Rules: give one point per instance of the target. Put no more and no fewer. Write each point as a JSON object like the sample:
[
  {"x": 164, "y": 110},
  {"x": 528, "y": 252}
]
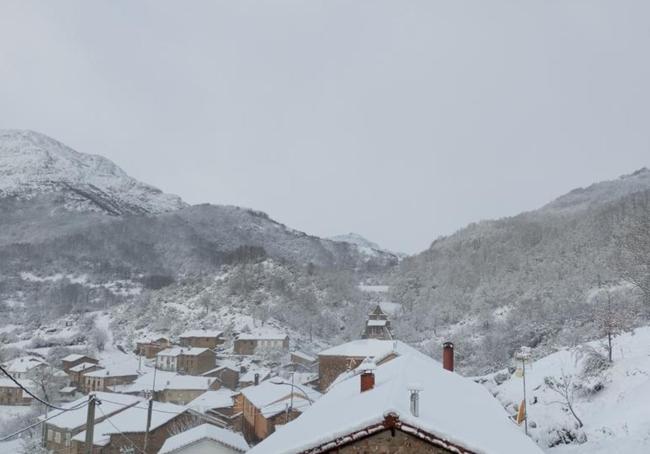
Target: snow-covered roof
[
  {"x": 24, "y": 364},
  {"x": 452, "y": 409},
  {"x": 68, "y": 389},
  {"x": 304, "y": 356},
  {"x": 277, "y": 390},
  {"x": 121, "y": 370},
  {"x": 249, "y": 377},
  {"x": 132, "y": 420},
  {"x": 263, "y": 334},
  {"x": 362, "y": 348},
  {"x": 377, "y": 322},
  {"x": 204, "y": 432},
  {"x": 212, "y": 399},
  {"x": 166, "y": 380},
  {"x": 83, "y": 366},
  {"x": 177, "y": 351},
  {"x": 73, "y": 419},
  {"x": 201, "y": 333},
  {"x": 73, "y": 357}
]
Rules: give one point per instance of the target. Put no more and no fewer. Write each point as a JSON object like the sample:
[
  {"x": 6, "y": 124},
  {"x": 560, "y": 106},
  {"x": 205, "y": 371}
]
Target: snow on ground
[{"x": 616, "y": 419}]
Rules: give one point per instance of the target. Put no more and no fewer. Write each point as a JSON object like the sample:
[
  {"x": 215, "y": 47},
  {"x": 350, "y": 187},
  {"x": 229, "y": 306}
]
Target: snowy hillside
[
  {"x": 364, "y": 245},
  {"x": 612, "y": 402},
  {"x": 601, "y": 193},
  {"x": 32, "y": 163}
]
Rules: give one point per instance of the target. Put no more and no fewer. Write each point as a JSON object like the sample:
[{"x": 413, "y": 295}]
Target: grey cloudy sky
[{"x": 401, "y": 120}]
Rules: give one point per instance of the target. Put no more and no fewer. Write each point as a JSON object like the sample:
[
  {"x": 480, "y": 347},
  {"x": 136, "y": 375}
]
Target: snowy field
[{"x": 616, "y": 419}]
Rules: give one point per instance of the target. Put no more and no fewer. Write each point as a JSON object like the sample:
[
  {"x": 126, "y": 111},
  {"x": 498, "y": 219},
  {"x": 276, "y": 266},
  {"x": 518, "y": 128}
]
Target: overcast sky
[{"x": 401, "y": 120}]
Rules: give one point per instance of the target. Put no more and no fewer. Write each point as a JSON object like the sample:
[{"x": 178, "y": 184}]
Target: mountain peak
[
  {"x": 32, "y": 163},
  {"x": 602, "y": 192}
]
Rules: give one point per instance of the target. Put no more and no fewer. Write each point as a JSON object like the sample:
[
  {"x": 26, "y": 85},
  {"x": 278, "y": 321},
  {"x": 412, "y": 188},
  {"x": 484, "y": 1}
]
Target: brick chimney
[
  {"x": 367, "y": 380},
  {"x": 448, "y": 356}
]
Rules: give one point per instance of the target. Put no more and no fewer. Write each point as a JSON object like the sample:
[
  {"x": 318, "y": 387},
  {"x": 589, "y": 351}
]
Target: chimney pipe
[
  {"x": 257, "y": 379},
  {"x": 448, "y": 356},
  {"x": 367, "y": 380}
]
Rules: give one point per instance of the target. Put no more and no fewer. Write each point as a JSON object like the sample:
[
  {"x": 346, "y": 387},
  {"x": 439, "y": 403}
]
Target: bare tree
[
  {"x": 564, "y": 388},
  {"x": 47, "y": 381},
  {"x": 635, "y": 253},
  {"x": 611, "y": 317},
  {"x": 98, "y": 338}
]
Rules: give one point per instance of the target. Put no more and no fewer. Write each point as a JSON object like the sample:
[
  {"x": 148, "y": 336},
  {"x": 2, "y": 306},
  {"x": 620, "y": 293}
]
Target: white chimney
[{"x": 415, "y": 389}]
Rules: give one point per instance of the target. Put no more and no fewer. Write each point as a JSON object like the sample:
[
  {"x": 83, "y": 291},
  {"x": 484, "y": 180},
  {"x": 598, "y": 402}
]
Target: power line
[
  {"x": 7, "y": 437},
  {"x": 106, "y": 418},
  {"x": 44, "y": 402}
]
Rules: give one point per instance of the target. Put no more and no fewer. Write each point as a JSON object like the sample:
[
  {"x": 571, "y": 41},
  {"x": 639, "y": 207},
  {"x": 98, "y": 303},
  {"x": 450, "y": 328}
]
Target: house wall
[
  {"x": 13, "y": 396},
  {"x": 385, "y": 443},
  {"x": 330, "y": 367},
  {"x": 201, "y": 342},
  {"x": 197, "y": 364},
  {"x": 244, "y": 347},
  {"x": 67, "y": 365},
  {"x": 59, "y": 440}
]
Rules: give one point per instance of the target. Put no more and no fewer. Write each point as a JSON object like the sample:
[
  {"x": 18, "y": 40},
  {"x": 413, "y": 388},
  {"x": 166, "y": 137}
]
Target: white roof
[
  {"x": 212, "y": 399},
  {"x": 201, "y": 333},
  {"x": 23, "y": 364},
  {"x": 363, "y": 348},
  {"x": 73, "y": 357},
  {"x": 74, "y": 419},
  {"x": 68, "y": 389},
  {"x": 166, "y": 380},
  {"x": 205, "y": 432},
  {"x": 304, "y": 356},
  {"x": 177, "y": 351},
  {"x": 377, "y": 322},
  {"x": 249, "y": 377},
  {"x": 83, "y": 366},
  {"x": 122, "y": 370},
  {"x": 276, "y": 390},
  {"x": 452, "y": 408},
  {"x": 132, "y": 420}
]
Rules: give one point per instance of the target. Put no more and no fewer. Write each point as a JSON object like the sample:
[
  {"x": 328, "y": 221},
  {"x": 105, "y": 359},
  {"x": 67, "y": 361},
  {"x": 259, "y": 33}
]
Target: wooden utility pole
[
  {"x": 90, "y": 424},
  {"x": 146, "y": 434}
]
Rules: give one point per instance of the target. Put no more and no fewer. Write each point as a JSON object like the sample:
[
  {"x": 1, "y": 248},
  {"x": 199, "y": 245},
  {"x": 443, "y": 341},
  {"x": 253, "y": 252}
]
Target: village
[{"x": 203, "y": 392}]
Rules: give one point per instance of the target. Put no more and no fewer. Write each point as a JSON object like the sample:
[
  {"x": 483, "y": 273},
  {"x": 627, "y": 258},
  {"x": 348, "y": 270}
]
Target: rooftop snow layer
[
  {"x": 220, "y": 398},
  {"x": 132, "y": 420},
  {"x": 201, "y": 333},
  {"x": 74, "y": 419},
  {"x": 204, "y": 432},
  {"x": 452, "y": 408},
  {"x": 363, "y": 348}
]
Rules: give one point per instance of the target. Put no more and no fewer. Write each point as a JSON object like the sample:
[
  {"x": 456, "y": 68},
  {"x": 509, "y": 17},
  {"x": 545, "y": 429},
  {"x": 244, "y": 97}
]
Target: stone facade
[
  {"x": 196, "y": 364},
  {"x": 67, "y": 364},
  {"x": 390, "y": 442},
  {"x": 330, "y": 367},
  {"x": 248, "y": 346},
  {"x": 149, "y": 349},
  {"x": 13, "y": 395},
  {"x": 227, "y": 376},
  {"x": 210, "y": 342}
]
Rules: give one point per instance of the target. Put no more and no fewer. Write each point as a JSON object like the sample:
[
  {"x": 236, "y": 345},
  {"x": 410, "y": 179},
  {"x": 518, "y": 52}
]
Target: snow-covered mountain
[
  {"x": 364, "y": 245},
  {"x": 32, "y": 163},
  {"x": 524, "y": 280}
]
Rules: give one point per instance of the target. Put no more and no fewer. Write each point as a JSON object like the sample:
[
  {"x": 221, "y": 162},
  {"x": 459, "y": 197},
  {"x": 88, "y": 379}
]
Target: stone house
[
  {"x": 12, "y": 394},
  {"x": 270, "y": 339},
  {"x": 202, "y": 339},
  {"x": 226, "y": 374},
  {"x": 205, "y": 439},
  {"x": 303, "y": 360},
  {"x": 336, "y": 360},
  {"x": 125, "y": 432},
  {"x": 270, "y": 404},
  {"x": 106, "y": 379},
  {"x": 76, "y": 373},
  {"x": 150, "y": 347},
  {"x": 23, "y": 366},
  {"x": 74, "y": 359},
  {"x": 190, "y": 361},
  {"x": 407, "y": 405},
  {"x": 58, "y": 431},
  {"x": 171, "y": 387},
  {"x": 220, "y": 406}
]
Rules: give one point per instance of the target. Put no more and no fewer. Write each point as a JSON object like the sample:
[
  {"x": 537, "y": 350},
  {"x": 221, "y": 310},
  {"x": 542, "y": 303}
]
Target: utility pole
[
  {"x": 90, "y": 424},
  {"x": 146, "y": 434},
  {"x": 524, "y": 355}
]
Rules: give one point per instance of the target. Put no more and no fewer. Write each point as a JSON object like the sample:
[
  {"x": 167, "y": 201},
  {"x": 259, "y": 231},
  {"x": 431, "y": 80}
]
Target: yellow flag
[{"x": 521, "y": 414}]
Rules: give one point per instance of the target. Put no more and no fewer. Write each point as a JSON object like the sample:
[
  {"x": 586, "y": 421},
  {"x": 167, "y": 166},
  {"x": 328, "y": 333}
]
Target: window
[
  {"x": 67, "y": 439},
  {"x": 57, "y": 437},
  {"x": 50, "y": 434}
]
